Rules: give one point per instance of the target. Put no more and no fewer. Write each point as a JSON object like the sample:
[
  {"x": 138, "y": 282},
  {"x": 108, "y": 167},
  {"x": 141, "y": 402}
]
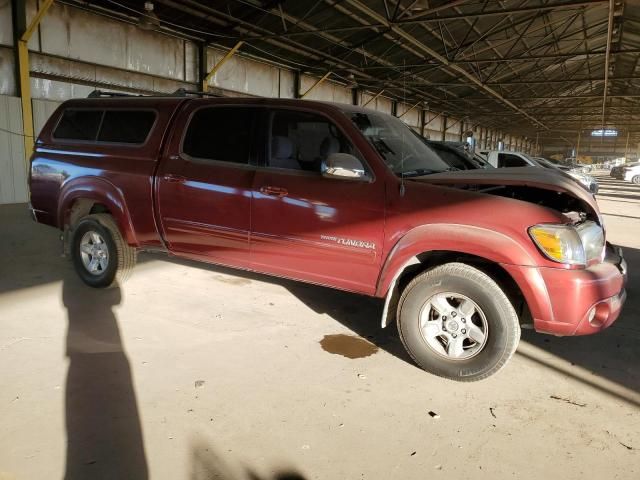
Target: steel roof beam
[
  {"x": 552, "y": 56},
  {"x": 504, "y": 11}
]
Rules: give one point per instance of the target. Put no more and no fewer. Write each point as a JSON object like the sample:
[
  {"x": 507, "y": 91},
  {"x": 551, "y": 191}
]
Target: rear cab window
[
  {"x": 510, "y": 160},
  {"x": 130, "y": 127},
  {"x": 222, "y": 134}
]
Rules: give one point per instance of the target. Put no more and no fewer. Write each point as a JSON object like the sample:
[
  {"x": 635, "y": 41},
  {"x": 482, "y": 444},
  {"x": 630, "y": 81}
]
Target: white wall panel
[
  {"x": 13, "y": 168},
  {"x": 6, "y": 25},
  {"x": 432, "y": 134},
  {"x": 73, "y": 33},
  {"x": 42, "y": 110},
  {"x": 327, "y": 91},
  {"x": 43, "y": 88},
  {"x": 452, "y": 137},
  {"x": 383, "y": 104},
  {"x": 412, "y": 117},
  {"x": 7, "y": 72},
  {"x": 191, "y": 61},
  {"x": 243, "y": 75},
  {"x": 433, "y": 121}
]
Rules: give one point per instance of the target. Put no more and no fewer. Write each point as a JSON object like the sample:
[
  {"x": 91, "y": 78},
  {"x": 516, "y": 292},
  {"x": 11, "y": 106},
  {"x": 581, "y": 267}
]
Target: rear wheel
[
  {"x": 456, "y": 322},
  {"x": 100, "y": 255},
  {"x": 636, "y": 179}
]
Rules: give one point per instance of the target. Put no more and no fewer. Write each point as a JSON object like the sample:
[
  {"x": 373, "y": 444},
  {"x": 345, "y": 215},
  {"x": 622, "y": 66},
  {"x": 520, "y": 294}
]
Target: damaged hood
[{"x": 534, "y": 177}]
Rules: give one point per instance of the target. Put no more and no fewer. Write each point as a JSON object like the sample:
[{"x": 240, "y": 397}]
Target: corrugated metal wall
[{"x": 13, "y": 169}]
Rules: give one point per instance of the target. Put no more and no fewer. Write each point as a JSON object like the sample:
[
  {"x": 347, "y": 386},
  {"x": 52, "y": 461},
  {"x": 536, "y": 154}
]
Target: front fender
[
  {"x": 466, "y": 239},
  {"x": 101, "y": 191},
  {"x": 471, "y": 240}
]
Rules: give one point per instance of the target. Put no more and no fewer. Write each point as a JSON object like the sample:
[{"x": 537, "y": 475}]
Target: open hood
[{"x": 532, "y": 177}]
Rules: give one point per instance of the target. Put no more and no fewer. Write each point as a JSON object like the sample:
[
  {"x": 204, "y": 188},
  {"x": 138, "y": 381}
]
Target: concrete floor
[{"x": 195, "y": 372}]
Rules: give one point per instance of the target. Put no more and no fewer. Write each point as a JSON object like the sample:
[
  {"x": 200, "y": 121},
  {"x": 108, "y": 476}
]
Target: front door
[
  {"x": 204, "y": 184},
  {"x": 309, "y": 227}
]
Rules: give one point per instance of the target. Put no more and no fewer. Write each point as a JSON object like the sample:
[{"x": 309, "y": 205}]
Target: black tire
[
  {"x": 636, "y": 179},
  {"x": 121, "y": 257},
  {"x": 502, "y": 325}
]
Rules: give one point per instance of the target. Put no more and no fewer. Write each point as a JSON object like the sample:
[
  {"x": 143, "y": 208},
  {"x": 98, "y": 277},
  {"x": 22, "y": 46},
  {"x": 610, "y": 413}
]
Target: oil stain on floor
[{"x": 348, "y": 346}]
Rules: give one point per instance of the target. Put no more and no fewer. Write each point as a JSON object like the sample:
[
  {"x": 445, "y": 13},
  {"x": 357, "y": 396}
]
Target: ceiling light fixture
[{"x": 149, "y": 20}]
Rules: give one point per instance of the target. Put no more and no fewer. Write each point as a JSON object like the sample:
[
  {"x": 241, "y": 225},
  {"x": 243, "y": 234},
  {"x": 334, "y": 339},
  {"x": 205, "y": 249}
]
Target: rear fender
[
  {"x": 100, "y": 191},
  {"x": 480, "y": 242}
]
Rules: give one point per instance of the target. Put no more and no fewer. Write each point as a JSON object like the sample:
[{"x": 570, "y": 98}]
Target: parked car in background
[
  {"x": 617, "y": 171},
  {"x": 334, "y": 195},
  {"x": 589, "y": 182},
  {"x": 455, "y": 155},
  {"x": 503, "y": 159},
  {"x": 629, "y": 172}
]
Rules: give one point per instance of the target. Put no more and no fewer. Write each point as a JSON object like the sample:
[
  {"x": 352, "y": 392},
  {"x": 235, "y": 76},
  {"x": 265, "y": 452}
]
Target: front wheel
[
  {"x": 100, "y": 255},
  {"x": 636, "y": 179},
  {"x": 457, "y": 323}
]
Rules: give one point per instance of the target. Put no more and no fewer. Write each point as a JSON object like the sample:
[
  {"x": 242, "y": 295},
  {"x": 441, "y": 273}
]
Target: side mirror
[{"x": 343, "y": 165}]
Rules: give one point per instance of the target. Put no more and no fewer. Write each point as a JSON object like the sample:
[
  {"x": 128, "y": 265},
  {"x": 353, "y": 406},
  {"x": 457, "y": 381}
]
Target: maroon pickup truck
[{"x": 333, "y": 195}]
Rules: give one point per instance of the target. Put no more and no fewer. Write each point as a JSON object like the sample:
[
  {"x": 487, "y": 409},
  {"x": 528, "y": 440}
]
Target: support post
[
  {"x": 202, "y": 70},
  {"x": 321, "y": 80},
  {"x": 444, "y": 128},
  {"x": 355, "y": 94},
  {"x": 423, "y": 122},
  {"x": 296, "y": 83},
  {"x": 626, "y": 147},
  {"x": 23, "y": 33},
  {"x": 216, "y": 67}
]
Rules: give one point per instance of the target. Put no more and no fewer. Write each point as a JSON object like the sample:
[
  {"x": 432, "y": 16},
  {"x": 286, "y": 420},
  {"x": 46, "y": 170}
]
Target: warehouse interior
[{"x": 215, "y": 373}]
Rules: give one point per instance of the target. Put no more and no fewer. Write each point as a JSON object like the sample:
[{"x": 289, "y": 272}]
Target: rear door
[
  {"x": 304, "y": 225},
  {"x": 204, "y": 183}
]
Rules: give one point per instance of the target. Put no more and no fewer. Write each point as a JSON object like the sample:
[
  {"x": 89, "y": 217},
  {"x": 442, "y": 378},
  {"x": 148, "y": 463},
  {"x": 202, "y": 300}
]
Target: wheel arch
[
  {"x": 421, "y": 249},
  {"x": 94, "y": 195}
]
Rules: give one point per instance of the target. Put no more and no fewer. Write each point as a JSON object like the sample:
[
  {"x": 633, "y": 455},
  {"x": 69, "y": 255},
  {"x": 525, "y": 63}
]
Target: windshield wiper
[{"x": 424, "y": 171}]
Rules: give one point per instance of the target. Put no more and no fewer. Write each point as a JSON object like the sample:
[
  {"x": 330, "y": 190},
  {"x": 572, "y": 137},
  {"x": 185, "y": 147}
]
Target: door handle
[
  {"x": 274, "y": 191},
  {"x": 171, "y": 178}
]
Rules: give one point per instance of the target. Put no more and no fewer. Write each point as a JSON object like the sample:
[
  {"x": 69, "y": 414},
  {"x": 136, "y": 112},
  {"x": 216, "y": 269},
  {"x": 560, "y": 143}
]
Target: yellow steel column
[{"x": 24, "y": 80}]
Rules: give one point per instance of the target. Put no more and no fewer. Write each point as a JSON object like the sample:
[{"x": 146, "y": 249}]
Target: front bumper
[{"x": 576, "y": 302}]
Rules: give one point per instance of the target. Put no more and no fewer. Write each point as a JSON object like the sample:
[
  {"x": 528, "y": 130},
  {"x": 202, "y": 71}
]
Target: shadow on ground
[{"x": 104, "y": 436}]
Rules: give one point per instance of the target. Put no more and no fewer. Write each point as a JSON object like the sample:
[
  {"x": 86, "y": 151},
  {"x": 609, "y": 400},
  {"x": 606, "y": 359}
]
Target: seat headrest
[
  {"x": 281, "y": 147},
  {"x": 329, "y": 146}
]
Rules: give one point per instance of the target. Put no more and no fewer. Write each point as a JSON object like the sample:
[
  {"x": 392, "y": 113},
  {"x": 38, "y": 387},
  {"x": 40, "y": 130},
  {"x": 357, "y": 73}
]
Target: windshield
[{"x": 401, "y": 149}]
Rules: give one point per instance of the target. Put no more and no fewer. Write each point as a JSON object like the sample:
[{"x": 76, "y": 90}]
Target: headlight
[
  {"x": 568, "y": 244},
  {"x": 560, "y": 243},
  {"x": 592, "y": 237}
]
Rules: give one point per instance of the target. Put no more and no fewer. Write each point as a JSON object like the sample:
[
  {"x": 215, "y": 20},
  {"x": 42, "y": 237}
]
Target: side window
[
  {"x": 508, "y": 160},
  {"x": 220, "y": 133},
  {"x": 78, "y": 125},
  {"x": 301, "y": 141},
  {"x": 126, "y": 126}
]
